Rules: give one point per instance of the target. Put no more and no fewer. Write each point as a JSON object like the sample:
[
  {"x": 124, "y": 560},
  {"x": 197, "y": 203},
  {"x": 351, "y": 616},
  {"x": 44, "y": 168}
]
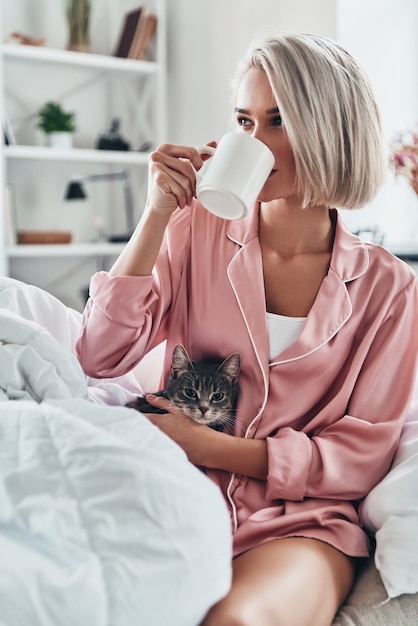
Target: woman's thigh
[{"x": 285, "y": 582}]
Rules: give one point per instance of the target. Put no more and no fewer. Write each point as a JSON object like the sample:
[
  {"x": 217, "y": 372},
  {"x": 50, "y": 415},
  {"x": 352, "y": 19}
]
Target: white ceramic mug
[{"x": 230, "y": 181}]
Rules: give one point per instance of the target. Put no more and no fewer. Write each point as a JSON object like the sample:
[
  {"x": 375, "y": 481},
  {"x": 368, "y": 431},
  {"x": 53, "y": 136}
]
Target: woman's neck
[{"x": 291, "y": 230}]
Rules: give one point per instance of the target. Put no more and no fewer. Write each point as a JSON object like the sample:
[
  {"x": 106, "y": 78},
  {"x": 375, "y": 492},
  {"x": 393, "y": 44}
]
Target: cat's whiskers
[{"x": 237, "y": 427}]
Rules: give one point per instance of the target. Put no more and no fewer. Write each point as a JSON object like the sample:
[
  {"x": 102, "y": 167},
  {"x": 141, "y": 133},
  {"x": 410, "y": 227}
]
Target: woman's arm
[
  {"x": 124, "y": 316},
  {"x": 171, "y": 184},
  {"x": 210, "y": 448}
]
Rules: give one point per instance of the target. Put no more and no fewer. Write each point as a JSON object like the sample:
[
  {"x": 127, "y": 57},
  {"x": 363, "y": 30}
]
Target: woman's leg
[{"x": 285, "y": 582}]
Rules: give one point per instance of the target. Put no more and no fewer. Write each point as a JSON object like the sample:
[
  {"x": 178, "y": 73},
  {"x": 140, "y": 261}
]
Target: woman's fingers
[
  {"x": 172, "y": 177},
  {"x": 159, "y": 402}
]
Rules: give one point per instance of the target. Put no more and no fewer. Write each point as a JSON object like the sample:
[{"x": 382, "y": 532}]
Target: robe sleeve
[
  {"x": 126, "y": 316},
  {"x": 347, "y": 458}
]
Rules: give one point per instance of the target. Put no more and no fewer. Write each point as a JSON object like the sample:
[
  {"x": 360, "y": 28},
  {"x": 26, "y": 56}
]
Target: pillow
[{"x": 391, "y": 511}]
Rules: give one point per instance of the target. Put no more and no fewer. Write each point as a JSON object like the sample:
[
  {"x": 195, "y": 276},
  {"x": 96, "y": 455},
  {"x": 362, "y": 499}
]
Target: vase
[
  {"x": 60, "y": 139},
  {"x": 78, "y": 19},
  {"x": 79, "y": 47}
]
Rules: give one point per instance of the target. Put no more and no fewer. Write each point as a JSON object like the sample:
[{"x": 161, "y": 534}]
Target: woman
[{"x": 325, "y": 324}]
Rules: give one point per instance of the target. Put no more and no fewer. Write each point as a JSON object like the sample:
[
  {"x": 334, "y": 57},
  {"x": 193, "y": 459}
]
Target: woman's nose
[
  {"x": 258, "y": 131},
  {"x": 261, "y": 136}
]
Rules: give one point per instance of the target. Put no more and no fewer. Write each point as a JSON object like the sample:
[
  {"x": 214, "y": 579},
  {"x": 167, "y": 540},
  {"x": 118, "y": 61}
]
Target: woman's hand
[
  {"x": 192, "y": 437},
  {"x": 172, "y": 179},
  {"x": 209, "y": 448},
  {"x": 171, "y": 184}
]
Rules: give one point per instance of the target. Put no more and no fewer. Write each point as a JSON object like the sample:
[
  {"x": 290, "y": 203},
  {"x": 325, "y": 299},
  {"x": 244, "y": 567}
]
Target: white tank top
[{"x": 283, "y": 331}]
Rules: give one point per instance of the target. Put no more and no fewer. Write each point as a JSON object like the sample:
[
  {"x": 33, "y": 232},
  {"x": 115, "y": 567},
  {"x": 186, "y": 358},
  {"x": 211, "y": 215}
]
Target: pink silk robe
[{"x": 331, "y": 406}]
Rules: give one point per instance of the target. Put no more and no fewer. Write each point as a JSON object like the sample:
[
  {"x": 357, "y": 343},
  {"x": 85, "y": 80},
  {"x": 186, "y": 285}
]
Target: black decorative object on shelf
[{"x": 112, "y": 140}]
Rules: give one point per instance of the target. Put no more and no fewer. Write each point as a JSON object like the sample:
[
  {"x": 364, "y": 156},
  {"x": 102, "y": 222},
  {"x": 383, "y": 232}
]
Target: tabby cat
[{"x": 205, "y": 391}]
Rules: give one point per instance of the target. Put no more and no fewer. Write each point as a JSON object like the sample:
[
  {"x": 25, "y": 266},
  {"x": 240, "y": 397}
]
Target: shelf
[
  {"x": 76, "y": 154},
  {"x": 100, "y": 87},
  {"x": 77, "y": 59},
  {"x": 65, "y": 250}
]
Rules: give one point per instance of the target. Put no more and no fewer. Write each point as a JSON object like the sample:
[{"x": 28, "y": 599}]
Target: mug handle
[{"x": 204, "y": 150}]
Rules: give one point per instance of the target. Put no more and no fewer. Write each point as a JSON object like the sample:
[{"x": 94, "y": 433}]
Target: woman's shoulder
[
  {"x": 354, "y": 257},
  {"x": 389, "y": 265}
]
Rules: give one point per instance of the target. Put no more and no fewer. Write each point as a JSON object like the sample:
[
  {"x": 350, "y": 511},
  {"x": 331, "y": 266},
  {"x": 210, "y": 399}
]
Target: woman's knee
[
  {"x": 238, "y": 611},
  {"x": 288, "y": 581}
]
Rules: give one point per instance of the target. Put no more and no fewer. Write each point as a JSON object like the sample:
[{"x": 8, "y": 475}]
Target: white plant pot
[{"x": 63, "y": 140}]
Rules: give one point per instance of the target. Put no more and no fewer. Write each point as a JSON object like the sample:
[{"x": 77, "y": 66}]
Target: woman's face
[{"x": 256, "y": 113}]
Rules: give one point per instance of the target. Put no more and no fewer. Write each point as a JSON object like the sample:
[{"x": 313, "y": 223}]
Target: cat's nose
[{"x": 203, "y": 409}]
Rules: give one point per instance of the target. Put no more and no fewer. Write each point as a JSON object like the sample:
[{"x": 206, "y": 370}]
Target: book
[
  {"x": 43, "y": 236},
  {"x": 138, "y": 32},
  {"x": 146, "y": 29},
  {"x": 127, "y": 33}
]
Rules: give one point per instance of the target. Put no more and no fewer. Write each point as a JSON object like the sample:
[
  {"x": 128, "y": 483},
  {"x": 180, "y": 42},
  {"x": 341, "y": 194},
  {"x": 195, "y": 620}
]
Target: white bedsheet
[
  {"x": 103, "y": 521},
  {"x": 63, "y": 324}
]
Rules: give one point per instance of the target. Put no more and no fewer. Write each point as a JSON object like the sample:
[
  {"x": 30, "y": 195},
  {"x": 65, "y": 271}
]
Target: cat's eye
[
  {"x": 190, "y": 393},
  {"x": 217, "y": 397}
]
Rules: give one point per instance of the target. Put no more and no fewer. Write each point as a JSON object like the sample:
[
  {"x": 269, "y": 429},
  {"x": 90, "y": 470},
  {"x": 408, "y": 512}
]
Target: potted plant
[{"x": 58, "y": 124}]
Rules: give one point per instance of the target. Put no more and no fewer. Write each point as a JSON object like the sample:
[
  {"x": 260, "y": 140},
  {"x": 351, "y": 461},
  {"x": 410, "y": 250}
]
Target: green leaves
[{"x": 53, "y": 118}]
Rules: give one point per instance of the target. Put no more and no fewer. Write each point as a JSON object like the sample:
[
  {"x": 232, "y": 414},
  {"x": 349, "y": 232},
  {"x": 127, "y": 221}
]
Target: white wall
[
  {"x": 384, "y": 36},
  {"x": 3, "y": 264},
  {"x": 206, "y": 39}
]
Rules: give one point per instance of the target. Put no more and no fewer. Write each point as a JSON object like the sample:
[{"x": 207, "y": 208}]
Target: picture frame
[
  {"x": 8, "y": 134},
  {"x": 9, "y": 210}
]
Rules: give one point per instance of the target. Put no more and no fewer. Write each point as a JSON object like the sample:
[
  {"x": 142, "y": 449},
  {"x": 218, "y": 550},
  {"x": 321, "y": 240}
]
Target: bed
[{"x": 104, "y": 521}]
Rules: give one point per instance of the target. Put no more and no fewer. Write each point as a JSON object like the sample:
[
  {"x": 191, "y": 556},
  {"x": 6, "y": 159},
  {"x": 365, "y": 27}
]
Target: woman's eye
[
  {"x": 243, "y": 121},
  {"x": 217, "y": 397},
  {"x": 277, "y": 121},
  {"x": 190, "y": 393}
]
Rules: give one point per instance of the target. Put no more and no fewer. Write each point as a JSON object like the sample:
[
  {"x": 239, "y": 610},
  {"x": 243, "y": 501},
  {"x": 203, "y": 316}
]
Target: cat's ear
[
  {"x": 231, "y": 366},
  {"x": 180, "y": 361}
]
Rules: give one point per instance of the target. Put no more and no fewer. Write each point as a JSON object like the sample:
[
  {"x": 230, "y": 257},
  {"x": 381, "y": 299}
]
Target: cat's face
[{"x": 205, "y": 392}]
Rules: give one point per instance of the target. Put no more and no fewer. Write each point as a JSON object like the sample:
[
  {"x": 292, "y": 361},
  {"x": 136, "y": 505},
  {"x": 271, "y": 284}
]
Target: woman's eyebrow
[{"x": 272, "y": 111}]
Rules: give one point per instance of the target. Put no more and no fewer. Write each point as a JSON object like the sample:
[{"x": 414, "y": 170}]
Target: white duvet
[{"x": 103, "y": 521}]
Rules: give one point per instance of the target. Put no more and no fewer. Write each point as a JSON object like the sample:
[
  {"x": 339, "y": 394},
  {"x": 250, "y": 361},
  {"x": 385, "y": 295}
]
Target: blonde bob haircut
[{"x": 330, "y": 115}]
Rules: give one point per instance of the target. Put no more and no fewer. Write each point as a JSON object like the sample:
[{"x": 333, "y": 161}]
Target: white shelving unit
[
  {"x": 64, "y": 250},
  {"x": 75, "y": 154},
  {"x": 30, "y": 167}
]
